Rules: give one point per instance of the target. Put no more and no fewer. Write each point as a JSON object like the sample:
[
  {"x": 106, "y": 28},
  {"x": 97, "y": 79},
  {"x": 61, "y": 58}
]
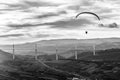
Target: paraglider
[
  {"x": 86, "y": 32},
  {"x": 88, "y": 13}
]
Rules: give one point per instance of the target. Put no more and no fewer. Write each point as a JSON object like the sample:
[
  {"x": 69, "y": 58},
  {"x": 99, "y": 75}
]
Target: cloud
[
  {"x": 70, "y": 24},
  {"x": 105, "y": 11},
  {"x": 39, "y": 3},
  {"x": 19, "y": 26},
  {"x": 10, "y": 2},
  {"x": 25, "y": 4},
  {"x": 67, "y": 24},
  {"x": 87, "y": 3},
  {"x": 7, "y": 10},
  {"x": 11, "y": 35},
  {"x": 49, "y": 15},
  {"x": 18, "y": 6},
  {"x": 74, "y": 7},
  {"x": 39, "y": 35},
  {"x": 62, "y": 2},
  {"x": 112, "y": 25},
  {"x": 29, "y": 4},
  {"x": 45, "y": 16}
]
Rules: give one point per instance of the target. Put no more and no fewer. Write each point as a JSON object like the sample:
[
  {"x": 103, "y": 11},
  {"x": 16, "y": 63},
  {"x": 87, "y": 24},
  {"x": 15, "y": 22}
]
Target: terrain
[
  {"x": 62, "y": 45},
  {"x": 105, "y": 65}
]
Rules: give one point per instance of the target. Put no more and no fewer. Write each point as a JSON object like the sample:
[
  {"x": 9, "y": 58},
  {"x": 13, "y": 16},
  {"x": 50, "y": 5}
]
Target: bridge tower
[
  {"x": 13, "y": 52},
  {"x": 36, "y": 52},
  {"x": 76, "y": 53},
  {"x": 56, "y": 53},
  {"x": 94, "y": 50}
]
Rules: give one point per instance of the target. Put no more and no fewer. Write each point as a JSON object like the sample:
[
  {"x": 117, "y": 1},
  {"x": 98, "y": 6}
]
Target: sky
[{"x": 23, "y": 21}]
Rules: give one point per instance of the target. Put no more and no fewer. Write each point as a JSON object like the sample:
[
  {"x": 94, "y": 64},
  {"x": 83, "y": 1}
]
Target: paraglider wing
[{"x": 88, "y": 13}]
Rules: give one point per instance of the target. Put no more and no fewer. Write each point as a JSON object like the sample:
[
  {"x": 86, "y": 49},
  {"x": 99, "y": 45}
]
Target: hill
[
  {"x": 63, "y": 45},
  {"x": 5, "y": 56},
  {"x": 108, "y": 54}
]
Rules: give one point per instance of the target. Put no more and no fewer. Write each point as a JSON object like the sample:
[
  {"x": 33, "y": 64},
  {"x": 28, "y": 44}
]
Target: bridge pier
[{"x": 76, "y": 53}]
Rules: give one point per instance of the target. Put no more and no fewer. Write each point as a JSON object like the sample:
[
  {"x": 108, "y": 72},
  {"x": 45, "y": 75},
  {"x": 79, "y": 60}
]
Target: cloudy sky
[{"x": 24, "y": 21}]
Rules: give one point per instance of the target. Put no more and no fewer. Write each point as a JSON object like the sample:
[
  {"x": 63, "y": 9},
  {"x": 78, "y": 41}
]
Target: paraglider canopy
[{"x": 88, "y": 13}]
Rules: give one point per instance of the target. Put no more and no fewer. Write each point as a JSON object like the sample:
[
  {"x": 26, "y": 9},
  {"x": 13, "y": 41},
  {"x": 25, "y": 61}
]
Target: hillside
[
  {"x": 5, "y": 56},
  {"x": 63, "y": 45},
  {"x": 109, "y": 54}
]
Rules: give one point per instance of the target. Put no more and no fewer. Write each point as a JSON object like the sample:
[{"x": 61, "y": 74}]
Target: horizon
[{"x": 56, "y": 40}]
